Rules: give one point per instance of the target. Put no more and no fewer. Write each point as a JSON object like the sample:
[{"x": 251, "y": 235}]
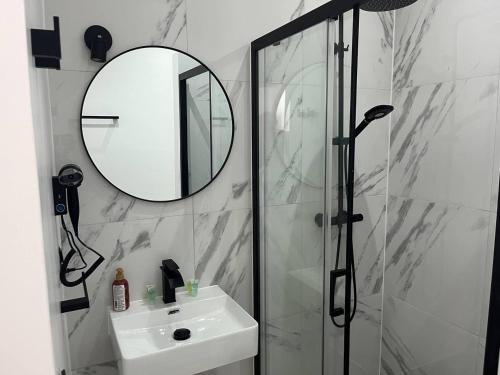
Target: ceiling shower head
[
  {"x": 385, "y": 5},
  {"x": 376, "y": 113}
]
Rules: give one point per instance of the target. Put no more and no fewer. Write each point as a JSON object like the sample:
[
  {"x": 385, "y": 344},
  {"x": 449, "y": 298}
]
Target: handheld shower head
[
  {"x": 385, "y": 5},
  {"x": 376, "y": 113}
]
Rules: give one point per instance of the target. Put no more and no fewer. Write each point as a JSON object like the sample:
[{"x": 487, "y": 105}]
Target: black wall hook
[{"x": 46, "y": 47}]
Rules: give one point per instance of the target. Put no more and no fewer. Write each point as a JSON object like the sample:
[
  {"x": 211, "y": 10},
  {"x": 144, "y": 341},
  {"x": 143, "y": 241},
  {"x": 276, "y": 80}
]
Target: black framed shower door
[{"x": 331, "y": 11}]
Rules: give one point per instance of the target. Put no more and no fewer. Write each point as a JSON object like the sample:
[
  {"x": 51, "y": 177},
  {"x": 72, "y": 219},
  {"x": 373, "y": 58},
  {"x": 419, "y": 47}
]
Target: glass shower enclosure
[
  {"x": 332, "y": 265},
  {"x": 302, "y": 155}
]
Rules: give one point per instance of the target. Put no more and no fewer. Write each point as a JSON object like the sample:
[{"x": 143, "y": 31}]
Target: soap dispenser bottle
[{"x": 121, "y": 300}]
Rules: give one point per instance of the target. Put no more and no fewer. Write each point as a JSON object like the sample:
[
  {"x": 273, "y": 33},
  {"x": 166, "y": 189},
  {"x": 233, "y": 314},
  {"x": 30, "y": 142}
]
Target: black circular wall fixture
[
  {"x": 101, "y": 114},
  {"x": 99, "y": 41}
]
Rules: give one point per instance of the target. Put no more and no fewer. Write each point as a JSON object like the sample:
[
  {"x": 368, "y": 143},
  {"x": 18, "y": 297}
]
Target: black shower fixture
[
  {"x": 99, "y": 41},
  {"x": 385, "y": 5},
  {"x": 376, "y": 113}
]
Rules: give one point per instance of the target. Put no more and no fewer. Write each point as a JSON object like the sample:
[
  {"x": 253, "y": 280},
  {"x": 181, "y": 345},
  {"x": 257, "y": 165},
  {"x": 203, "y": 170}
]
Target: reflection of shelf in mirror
[
  {"x": 99, "y": 123},
  {"x": 103, "y": 117}
]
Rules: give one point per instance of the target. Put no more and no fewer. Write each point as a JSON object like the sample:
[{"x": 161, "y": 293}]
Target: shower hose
[{"x": 337, "y": 257}]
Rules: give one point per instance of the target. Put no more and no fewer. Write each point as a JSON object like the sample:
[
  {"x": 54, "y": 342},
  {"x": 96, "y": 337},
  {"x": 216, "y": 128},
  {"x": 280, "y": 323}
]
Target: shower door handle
[{"x": 334, "y": 275}]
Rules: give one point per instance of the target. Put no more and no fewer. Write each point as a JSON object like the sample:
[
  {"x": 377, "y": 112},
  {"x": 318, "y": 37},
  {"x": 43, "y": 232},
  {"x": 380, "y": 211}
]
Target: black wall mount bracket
[
  {"x": 46, "y": 47},
  {"x": 76, "y": 303},
  {"x": 337, "y": 220}
]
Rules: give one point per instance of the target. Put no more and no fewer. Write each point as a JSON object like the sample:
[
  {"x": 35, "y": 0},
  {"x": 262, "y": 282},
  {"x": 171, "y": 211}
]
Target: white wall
[{"x": 27, "y": 309}]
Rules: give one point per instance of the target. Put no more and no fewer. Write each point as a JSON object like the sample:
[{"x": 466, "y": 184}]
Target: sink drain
[{"x": 182, "y": 334}]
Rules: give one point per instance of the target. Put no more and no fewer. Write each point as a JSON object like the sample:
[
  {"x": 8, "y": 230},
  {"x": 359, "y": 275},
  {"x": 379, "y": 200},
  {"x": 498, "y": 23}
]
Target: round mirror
[{"x": 157, "y": 123}]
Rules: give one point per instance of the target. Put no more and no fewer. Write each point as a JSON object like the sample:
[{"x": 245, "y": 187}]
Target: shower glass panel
[{"x": 293, "y": 76}]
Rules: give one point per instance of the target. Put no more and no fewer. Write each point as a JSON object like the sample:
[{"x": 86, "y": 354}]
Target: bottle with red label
[{"x": 121, "y": 300}]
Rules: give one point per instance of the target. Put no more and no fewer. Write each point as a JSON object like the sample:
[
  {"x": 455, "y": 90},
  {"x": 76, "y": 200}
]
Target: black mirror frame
[{"x": 225, "y": 94}]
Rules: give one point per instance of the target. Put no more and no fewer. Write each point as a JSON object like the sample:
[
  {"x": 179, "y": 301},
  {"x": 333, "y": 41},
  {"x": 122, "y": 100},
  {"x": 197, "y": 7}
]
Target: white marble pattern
[
  {"x": 223, "y": 253},
  {"x": 444, "y": 133},
  {"x": 231, "y": 189},
  {"x": 443, "y": 40},
  {"x": 293, "y": 344},
  {"x": 137, "y": 247},
  {"x": 161, "y": 22},
  {"x": 368, "y": 237},
  {"x": 417, "y": 343},
  {"x": 375, "y": 49},
  {"x": 230, "y": 60},
  {"x": 434, "y": 256}
]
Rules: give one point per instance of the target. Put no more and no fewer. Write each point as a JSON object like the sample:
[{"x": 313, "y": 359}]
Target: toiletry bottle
[
  {"x": 150, "y": 294},
  {"x": 121, "y": 301}
]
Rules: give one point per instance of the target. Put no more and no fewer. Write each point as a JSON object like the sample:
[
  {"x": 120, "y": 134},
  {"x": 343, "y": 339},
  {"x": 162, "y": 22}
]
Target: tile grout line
[{"x": 387, "y": 200}]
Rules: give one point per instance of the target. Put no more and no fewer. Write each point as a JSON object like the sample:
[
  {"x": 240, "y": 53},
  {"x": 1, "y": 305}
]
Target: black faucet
[{"x": 171, "y": 279}]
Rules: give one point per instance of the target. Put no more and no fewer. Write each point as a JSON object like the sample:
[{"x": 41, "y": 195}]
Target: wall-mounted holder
[
  {"x": 77, "y": 303},
  {"x": 337, "y": 220},
  {"x": 46, "y": 47},
  {"x": 65, "y": 194},
  {"x": 99, "y": 41}
]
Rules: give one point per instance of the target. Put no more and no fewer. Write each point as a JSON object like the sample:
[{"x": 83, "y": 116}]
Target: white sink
[{"x": 221, "y": 333}]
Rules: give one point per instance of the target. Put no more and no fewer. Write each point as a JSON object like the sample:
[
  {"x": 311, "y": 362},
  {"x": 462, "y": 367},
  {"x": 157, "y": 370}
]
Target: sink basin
[{"x": 221, "y": 333}]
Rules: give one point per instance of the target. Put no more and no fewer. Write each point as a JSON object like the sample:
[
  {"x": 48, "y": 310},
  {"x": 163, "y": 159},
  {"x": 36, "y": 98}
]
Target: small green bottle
[{"x": 151, "y": 294}]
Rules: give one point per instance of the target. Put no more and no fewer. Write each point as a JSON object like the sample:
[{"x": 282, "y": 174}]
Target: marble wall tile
[
  {"x": 137, "y": 247},
  {"x": 369, "y": 242},
  {"x": 293, "y": 345},
  {"x": 444, "y": 133},
  {"x": 443, "y": 40},
  {"x": 443, "y": 181},
  {"x": 159, "y": 23},
  {"x": 415, "y": 342},
  {"x": 230, "y": 60},
  {"x": 223, "y": 253},
  {"x": 434, "y": 256},
  {"x": 232, "y": 188},
  {"x": 375, "y": 49}
]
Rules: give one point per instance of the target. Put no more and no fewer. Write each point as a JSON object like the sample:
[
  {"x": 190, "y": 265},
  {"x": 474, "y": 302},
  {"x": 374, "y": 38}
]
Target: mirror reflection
[{"x": 157, "y": 124}]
